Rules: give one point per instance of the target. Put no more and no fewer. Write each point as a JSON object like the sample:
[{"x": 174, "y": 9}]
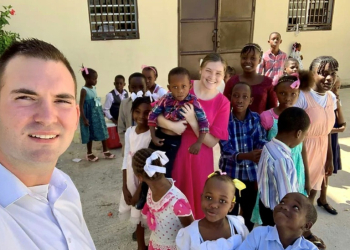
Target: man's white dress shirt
[{"x": 32, "y": 220}]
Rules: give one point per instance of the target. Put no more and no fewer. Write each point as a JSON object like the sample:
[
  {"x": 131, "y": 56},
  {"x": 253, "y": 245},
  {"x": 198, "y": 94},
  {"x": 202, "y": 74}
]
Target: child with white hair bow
[{"x": 167, "y": 208}]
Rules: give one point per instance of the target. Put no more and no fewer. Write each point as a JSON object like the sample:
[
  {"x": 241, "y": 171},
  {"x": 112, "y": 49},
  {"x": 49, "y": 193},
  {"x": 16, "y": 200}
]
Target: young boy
[
  {"x": 293, "y": 216},
  {"x": 170, "y": 105},
  {"x": 137, "y": 82},
  {"x": 241, "y": 152},
  {"x": 276, "y": 171},
  {"x": 114, "y": 98},
  {"x": 272, "y": 63}
]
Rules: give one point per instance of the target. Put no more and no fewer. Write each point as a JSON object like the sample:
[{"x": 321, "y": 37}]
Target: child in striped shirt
[{"x": 276, "y": 170}]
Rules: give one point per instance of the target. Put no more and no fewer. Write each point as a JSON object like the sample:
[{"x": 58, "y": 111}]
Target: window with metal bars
[
  {"x": 113, "y": 19},
  {"x": 304, "y": 15}
]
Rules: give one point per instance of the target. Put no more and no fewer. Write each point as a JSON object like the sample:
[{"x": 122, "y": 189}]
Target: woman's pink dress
[
  {"x": 191, "y": 171},
  {"x": 316, "y": 141}
]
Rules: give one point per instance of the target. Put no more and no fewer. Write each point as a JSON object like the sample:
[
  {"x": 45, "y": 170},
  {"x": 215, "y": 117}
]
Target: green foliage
[{"x": 6, "y": 37}]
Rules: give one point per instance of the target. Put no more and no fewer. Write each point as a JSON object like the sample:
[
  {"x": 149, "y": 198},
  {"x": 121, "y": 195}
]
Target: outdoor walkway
[{"x": 100, "y": 185}]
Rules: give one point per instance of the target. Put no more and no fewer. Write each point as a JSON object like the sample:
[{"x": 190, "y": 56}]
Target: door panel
[
  {"x": 197, "y": 37},
  {"x": 197, "y": 9},
  {"x": 221, "y": 26},
  {"x": 197, "y": 23},
  {"x": 191, "y": 62},
  {"x": 236, "y": 8},
  {"x": 233, "y": 41}
]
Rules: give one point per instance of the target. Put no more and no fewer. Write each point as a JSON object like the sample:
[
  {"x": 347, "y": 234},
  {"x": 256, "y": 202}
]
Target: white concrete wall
[
  {"x": 272, "y": 15},
  {"x": 65, "y": 24}
]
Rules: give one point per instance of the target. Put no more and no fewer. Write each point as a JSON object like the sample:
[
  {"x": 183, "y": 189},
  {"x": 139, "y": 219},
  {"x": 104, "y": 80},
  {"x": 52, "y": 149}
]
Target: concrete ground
[{"x": 100, "y": 184}]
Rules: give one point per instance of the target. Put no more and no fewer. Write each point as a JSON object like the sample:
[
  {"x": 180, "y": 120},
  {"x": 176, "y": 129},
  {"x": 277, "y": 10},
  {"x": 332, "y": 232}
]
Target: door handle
[{"x": 214, "y": 37}]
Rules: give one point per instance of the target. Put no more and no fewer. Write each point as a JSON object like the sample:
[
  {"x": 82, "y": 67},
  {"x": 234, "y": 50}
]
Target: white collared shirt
[
  {"x": 30, "y": 221},
  {"x": 267, "y": 238},
  {"x": 110, "y": 100}
]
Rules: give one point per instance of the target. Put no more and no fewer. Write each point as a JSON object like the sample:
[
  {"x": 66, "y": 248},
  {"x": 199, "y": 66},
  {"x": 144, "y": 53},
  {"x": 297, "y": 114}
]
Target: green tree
[{"x": 6, "y": 37}]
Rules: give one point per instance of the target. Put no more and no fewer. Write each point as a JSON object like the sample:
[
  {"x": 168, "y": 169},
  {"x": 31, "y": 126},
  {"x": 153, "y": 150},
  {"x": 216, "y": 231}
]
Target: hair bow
[
  {"x": 152, "y": 169},
  {"x": 295, "y": 85},
  {"x": 154, "y": 97},
  {"x": 133, "y": 96},
  {"x": 238, "y": 184},
  {"x": 84, "y": 69},
  {"x": 216, "y": 173},
  {"x": 149, "y": 67}
]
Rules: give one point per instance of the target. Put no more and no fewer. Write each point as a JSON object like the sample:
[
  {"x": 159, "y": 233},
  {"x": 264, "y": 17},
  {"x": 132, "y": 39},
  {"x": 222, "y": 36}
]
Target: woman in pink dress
[{"x": 191, "y": 171}]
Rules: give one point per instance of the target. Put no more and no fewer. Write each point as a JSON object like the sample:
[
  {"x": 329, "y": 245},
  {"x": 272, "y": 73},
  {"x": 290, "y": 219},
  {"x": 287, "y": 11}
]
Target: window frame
[
  {"x": 305, "y": 13},
  {"x": 107, "y": 32}
]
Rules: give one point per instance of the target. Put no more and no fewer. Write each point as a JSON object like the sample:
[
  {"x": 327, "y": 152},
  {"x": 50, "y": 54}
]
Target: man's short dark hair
[{"x": 34, "y": 48}]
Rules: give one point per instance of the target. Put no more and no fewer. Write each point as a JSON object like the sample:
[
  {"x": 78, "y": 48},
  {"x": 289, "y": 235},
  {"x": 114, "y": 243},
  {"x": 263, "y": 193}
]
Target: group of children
[{"x": 266, "y": 171}]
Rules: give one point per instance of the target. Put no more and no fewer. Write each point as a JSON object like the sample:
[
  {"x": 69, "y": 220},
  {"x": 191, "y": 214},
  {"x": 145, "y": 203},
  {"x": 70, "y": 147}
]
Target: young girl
[
  {"x": 296, "y": 54},
  {"x": 216, "y": 230},
  {"x": 92, "y": 122},
  {"x": 151, "y": 74},
  {"x": 167, "y": 209},
  {"x": 339, "y": 127},
  {"x": 320, "y": 103},
  {"x": 262, "y": 88},
  {"x": 136, "y": 137}
]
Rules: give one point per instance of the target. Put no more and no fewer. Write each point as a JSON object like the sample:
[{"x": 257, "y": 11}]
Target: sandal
[
  {"x": 326, "y": 206},
  {"x": 108, "y": 155},
  {"x": 316, "y": 241},
  {"x": 91, "y": 159}
]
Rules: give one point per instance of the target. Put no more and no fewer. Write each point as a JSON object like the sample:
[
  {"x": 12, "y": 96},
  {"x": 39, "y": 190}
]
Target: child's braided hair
[
  {"x": 139, "y": 162},
  {"x": 305, "y": 77},
  {"x": 322, "y": 61}
]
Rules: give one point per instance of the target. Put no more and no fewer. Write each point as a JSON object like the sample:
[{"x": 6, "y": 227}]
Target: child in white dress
[
  {"x": 167, "y": 209},
  {"x": 216, "y": 230},
  {"x": 136, "y": 137}
]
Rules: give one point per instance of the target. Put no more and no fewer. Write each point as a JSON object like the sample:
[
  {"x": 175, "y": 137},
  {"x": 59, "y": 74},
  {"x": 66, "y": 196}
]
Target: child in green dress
[{"x": 92, "y": 123}]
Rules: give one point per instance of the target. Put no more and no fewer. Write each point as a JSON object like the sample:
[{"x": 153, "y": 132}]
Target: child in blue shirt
[
  {"x": 293, "y": 216},
  {"x": 241, "y": 152}
]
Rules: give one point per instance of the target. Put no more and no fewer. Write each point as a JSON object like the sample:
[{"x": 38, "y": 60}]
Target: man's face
[{"x": 38, "y": 111}]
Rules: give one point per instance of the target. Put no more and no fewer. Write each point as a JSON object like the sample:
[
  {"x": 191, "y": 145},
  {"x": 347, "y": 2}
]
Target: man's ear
[
  {"x": 168, "y": 86},
  {"x": 280, "y": 41},
  {"x": 251, "y": 100}
]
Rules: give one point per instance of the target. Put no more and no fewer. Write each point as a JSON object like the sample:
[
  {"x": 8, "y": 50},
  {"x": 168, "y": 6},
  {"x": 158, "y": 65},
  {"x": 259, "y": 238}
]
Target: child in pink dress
[{"x": 167, "y": 209}]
